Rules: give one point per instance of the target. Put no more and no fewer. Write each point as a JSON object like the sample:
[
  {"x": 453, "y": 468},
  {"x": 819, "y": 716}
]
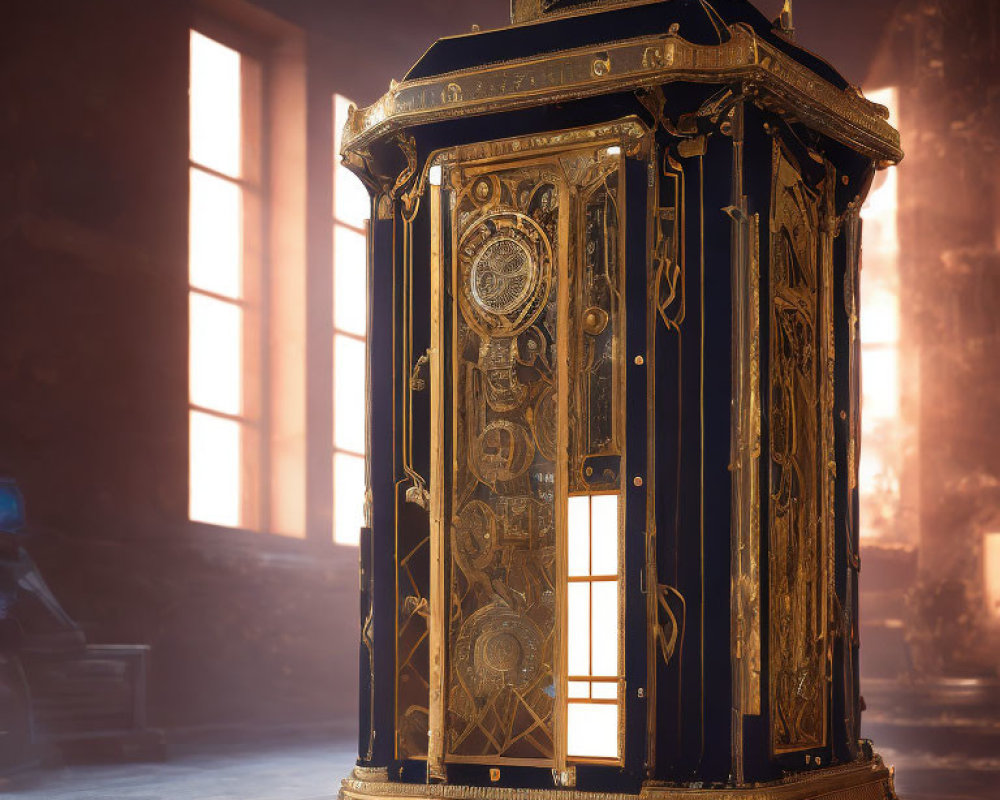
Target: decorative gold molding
[
  {"x": 634, "y": 64},
  {"x": 631, "y": 133},
  {"x": 864, "y": 780}
]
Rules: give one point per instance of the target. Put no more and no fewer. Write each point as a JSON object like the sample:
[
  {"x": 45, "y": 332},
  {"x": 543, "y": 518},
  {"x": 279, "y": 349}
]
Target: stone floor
[
  {"x": 941, "y": 757},
  {"x": 298, "y": 771}
]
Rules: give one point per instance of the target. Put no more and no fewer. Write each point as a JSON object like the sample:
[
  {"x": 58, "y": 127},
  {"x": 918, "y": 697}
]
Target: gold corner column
[{"x": 438, "y": 597}]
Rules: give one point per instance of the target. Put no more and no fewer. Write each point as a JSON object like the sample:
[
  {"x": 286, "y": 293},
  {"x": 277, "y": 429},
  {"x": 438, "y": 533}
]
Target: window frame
[{"x": 275, "y": 217}]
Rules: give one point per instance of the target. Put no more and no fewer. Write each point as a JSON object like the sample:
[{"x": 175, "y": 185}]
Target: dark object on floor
[{"x": 59, "y": 695}]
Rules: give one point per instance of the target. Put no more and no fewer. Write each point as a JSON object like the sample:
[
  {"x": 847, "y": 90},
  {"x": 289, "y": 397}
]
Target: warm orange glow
[
  {"x": 216, "y": 106},
  {"x": 880, "y": 388},
  {"x": 991, "y": 573},
  {"x": 593, "y": 640},
  {"x": 880, "y": 463},
  {"x": 215, "y": 495}
]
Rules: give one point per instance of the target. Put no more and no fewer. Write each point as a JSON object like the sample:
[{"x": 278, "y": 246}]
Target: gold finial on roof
[{"x": 787, "y": 25}]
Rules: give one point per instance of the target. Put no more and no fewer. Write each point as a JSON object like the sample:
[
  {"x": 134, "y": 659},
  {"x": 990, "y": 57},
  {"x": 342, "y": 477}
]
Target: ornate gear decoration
[{"x": 506, "y": 273}]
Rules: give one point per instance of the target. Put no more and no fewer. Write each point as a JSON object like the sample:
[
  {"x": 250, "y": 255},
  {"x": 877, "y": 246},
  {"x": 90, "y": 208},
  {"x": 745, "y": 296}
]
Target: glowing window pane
[
  {"x": 216, "y": 235},
  {"x": 880, "y": 385},
  {"x": 216, "y": 379},
  {"x": 604, "y": 627},
  {"x": 604, "y": 534},
  {"x": 592, "y": 730},
  {"x": 214, "y": 492},
  {"x": 605, "y": 691},
  {"x": 348, "y": 498},
  {"x": 350, "y": 307},
  {"x": 216, "y": 100},
  {"x": 579, "y": 690},
  {"x": 578, "y": 536},
  {"x": 351, "y": 203},
  {"x": 991, "y": 563},
  {"x": 872, "y": 471},
  {"x": 880, "y": 319},
  {"x": 349, "y": 394},
  {"x": 578, "y": 635}
]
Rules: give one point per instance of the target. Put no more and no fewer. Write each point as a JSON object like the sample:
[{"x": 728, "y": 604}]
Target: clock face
[
  {"x": 506, "y": 273},
  {"x": 501, "y": 274}
]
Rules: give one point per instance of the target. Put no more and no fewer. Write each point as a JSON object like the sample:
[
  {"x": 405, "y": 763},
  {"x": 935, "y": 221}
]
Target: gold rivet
[
  {"x": 637, "y": 481},
  {"x": 639, "y": 361},
  {"x": 494, "y": 774}
]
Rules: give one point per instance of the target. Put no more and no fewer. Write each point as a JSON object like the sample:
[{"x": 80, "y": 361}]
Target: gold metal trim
[
  {"x": 436, "y": 621},
  {"x": 463, "y": 166},
  {"x": 867, "y": 780},
  {"x": 634, "y": 64},
  {"x": 745, "y": 453}
]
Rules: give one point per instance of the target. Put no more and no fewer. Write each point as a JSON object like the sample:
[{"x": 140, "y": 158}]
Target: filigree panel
[
  {"x": 595, "y": 396},
  {"x": 412, "y": 662},
  {"x": 800, "y": 455},
  {"x": 502, "y": 540}
]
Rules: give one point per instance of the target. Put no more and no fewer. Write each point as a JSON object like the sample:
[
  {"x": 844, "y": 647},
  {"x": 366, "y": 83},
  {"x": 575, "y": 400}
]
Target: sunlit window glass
[
  {"x": 882, "y": 444},
  {"x": 351, "y": 210},
  {"x": 216, "y": 105},
  {"x": 217, "y": 274},
  {"x": 593, "y": 635},
  {"x": 991, "y": 566}
]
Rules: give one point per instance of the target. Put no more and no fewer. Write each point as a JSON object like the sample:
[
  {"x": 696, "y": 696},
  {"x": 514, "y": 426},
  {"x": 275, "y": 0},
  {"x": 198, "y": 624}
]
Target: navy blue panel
[
  {"x": 378, "y": 550},
  {"x": 716, "y": 405},
  {"x": 636, "y": 201}
]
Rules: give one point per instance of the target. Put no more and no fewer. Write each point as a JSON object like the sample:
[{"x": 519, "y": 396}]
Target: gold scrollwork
[
  {"x": 801, "y": 417},
  {"x": 671, "y": 620},
  {"x": 501, "y": 589}
]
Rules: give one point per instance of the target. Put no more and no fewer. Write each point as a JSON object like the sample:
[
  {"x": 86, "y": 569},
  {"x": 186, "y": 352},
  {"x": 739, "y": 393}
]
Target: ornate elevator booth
[{"x": 611, "y": 541}]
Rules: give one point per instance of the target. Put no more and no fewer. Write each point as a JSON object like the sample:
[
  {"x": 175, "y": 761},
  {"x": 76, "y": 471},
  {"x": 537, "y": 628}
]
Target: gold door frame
[{"x": 631, "y": 137}]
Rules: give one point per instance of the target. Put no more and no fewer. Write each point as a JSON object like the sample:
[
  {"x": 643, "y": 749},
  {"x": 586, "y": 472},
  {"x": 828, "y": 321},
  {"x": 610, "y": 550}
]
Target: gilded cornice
[{"x": 782, "y": 83}]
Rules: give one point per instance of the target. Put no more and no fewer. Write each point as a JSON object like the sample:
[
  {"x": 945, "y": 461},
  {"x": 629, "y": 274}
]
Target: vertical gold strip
[
  {"x": 562, "y": 478},
  {"x": 438, "y": 605},
  {"x": 701, "y": 455},
  {"x": 738, "y": 283},
  {"x": 751, "y": 556},
  {"x": 652, "y": 577},
  {"x": 745, "y": 454},
  {"x": 828, "y": 224},
  {"x": 620, "y": 359}
]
